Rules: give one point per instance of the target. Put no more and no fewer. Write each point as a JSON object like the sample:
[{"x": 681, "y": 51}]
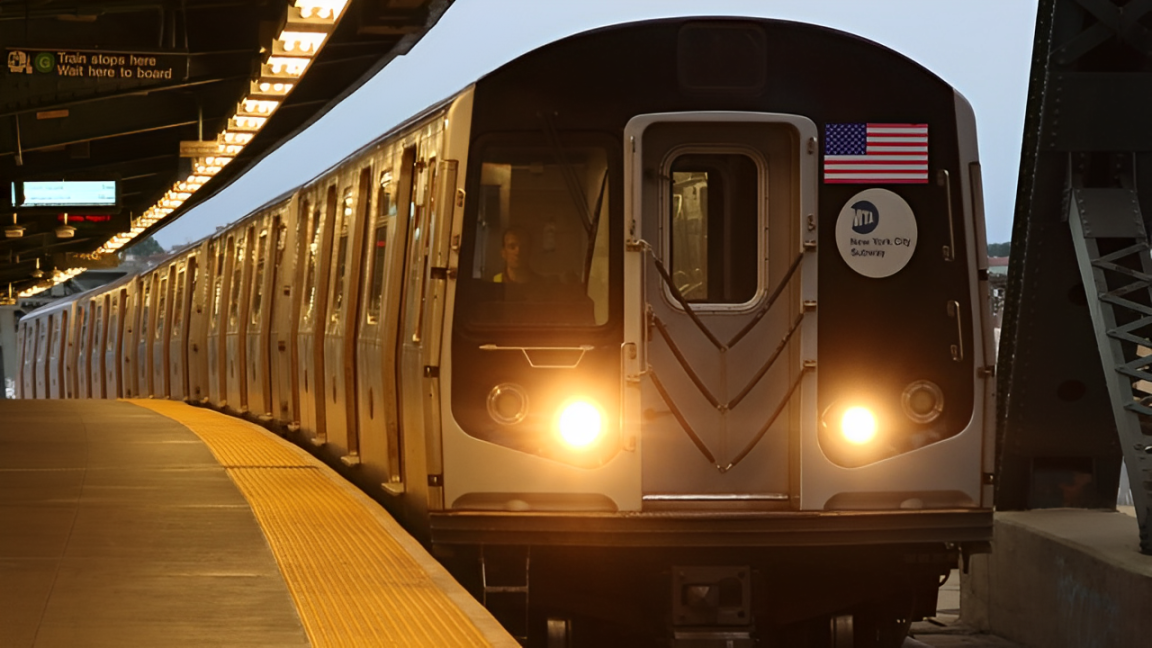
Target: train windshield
[{"x": 540, "y": 252}]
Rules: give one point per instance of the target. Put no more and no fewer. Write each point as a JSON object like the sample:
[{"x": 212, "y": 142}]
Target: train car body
[{"x": 693, "y": 309}]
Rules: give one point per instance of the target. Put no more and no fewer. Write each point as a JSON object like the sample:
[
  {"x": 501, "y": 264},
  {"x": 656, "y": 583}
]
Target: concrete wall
[{"x": 1062, "y": 578}]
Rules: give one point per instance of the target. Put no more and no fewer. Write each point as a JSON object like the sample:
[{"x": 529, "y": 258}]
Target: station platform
[
  {"x": 154, "y": 523},
  {"x": 1063, "y": 578}
]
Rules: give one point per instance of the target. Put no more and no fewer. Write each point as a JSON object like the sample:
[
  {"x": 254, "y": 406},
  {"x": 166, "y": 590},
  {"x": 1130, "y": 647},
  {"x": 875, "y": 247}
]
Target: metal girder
[
  {"x": 1115, "y": 263},
  {"x": 1087, "y": 149}
]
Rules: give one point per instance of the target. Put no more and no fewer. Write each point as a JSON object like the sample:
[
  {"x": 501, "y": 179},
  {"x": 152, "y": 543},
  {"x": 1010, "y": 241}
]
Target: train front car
[{"x": 717, "y": 361}]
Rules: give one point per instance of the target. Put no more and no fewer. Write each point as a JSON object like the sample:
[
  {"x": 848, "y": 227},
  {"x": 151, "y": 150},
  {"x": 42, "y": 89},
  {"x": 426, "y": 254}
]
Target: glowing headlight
[
  {"x": 579, "y": 423},
  {"x": 858, "y": 425}
]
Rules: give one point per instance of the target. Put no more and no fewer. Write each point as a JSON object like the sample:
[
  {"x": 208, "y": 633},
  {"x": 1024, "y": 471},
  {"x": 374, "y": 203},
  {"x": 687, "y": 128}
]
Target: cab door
[{"x": 715, "y": 323}]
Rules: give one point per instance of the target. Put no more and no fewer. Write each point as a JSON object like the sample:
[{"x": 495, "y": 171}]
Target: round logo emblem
[
  {"x": 876, "y": 233},
  {"x": 865, "y": 217},
  {"x": 44, "y": 62}
]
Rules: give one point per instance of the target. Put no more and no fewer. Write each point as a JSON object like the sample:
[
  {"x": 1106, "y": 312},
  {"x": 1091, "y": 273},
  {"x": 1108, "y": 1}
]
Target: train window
[
  {"x": 41, "y": 340},
  {"x": 385, "y": 211},
  {"x": 344, "y": 217},
  {"x": 237, "y": 276},
  {"x": 83, "y": 329},
  {"x": 281, "y": 242},
  {"x": 541, "y": 252},
  {"x": 313, "y": 252},
  {"x": 98, "y": 329},
  {"x": 161, "y": 307},
  {"x": 114, "y": 323},
  {"x": 258, "y": 284},
  {"x": 56, "y": 320},
  {"x": 178, "y": 302},
  {"x": 147, "y": 303},
  {"x": 218, "y": 287},
  {"x": 714, "y": 226}
]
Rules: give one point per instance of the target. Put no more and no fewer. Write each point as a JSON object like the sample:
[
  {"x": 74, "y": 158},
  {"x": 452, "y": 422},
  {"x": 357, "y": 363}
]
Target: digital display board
[{"x": 64, "y": 193}]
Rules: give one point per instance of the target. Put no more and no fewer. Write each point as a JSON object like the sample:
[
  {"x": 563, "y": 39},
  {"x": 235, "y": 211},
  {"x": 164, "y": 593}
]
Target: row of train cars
[{"x": 624, "y": 316}]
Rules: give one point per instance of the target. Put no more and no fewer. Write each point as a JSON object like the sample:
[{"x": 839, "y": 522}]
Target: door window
[{"x": 714, "y": 227}]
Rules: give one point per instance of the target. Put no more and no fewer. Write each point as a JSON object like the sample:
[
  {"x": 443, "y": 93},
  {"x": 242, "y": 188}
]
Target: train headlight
[
  {"x": 580, "y": 423},
  {"x": 923, "y": 401},
  {"x": 507, "y": 403},
  {"x": 858, "y": 425}
]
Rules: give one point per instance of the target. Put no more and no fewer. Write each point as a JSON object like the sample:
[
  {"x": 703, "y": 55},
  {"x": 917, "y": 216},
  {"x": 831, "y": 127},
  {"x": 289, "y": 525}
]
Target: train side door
[
  {"x": 83, "y": 379},
  {"x": 713, "y": 305},
  {"x": 42, "y": 342},
  {"x": 411, "y": 346},
  {"x": 145, "y": 287},
  {"x": 391, "y": 288},
  {"x": 262, "y": 292},
  {"x": 177, "y": 347},
  {"x": 56, "y": 357},
  {"x": 68, "y": 356},
  {"x": 99, "y": 339},
  {"x": 112, "y": 377},
  {"x": 236, "y": 326}
]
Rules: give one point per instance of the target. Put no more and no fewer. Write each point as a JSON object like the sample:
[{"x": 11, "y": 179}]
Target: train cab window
[
  {"x": 385, "y": 211},
  {"x": 540, "y": 254},
  {"x": 714, "y": 227}
]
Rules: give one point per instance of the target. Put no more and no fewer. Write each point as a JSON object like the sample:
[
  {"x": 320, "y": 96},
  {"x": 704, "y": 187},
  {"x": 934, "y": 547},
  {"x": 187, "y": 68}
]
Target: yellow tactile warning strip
[{"x": 357, "y": 578}]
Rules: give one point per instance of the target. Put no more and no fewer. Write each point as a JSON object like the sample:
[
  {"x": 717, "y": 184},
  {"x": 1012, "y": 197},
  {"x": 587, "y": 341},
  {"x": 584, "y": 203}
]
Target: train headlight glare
[
  {"x": 923, "y": 401},
  {"x": 580, "y": 423},
  {"x": 858, "y": 425},
  {"x": 507, "y": 404}
]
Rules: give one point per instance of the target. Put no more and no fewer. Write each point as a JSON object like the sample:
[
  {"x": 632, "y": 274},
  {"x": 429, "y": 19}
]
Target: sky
[{"x": 981, "y": 47}]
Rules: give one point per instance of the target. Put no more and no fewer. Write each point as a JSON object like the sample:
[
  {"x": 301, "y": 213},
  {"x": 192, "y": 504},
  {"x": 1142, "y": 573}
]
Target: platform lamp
[
  {"x": 15, "y": 230},
  {"x": 65, "y": 231}
]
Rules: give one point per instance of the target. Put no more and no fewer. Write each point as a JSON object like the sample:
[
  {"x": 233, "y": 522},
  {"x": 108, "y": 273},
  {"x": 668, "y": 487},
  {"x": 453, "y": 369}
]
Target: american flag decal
[{"x": 876, "y": 153}]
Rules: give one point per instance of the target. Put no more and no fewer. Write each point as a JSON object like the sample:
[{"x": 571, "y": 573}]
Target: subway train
[{"x": 668, "y": 333}]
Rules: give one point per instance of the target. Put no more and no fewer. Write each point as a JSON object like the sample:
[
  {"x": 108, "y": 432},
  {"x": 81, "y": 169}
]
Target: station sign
[
  {"x": 195, "y": 148},
  {"x": 65, "y": 193},
  {"x": 90, "y": 224},
  {"x": 147, "y": 67}
]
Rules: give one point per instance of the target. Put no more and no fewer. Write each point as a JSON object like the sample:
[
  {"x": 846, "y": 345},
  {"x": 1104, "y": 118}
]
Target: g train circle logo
[{"x": 876, "y": 233}]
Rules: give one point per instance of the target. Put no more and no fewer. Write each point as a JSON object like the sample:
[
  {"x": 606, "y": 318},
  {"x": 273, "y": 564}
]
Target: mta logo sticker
[
  {"x": 876, "y": 233},
  {"x": 865, "y": 217}
]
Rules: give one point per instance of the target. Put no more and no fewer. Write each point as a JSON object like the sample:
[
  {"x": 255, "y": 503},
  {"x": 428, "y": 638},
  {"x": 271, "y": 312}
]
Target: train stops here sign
[{"x": 134, "y": 67}]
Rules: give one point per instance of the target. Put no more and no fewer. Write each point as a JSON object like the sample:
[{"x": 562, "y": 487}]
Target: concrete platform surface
[
  {"x": 118, "y": 527},
  {"x": 1063, "y": 578},
  {"x": 161, "y": 524}
]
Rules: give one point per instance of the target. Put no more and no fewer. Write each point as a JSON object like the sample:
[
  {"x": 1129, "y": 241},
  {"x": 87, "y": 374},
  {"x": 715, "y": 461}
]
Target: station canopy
[{"x": 118, "y": 115}]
